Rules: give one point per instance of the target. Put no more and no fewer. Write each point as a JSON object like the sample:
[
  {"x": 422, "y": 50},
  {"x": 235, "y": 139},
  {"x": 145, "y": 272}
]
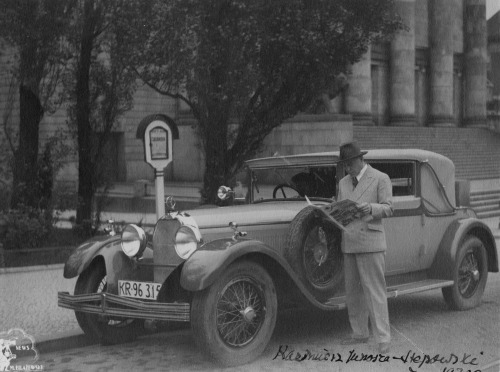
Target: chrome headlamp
[
  {"x": 185, "y": 242},
  {"x": 133, "y": 241},
  {"x": 187, "y": 236}
]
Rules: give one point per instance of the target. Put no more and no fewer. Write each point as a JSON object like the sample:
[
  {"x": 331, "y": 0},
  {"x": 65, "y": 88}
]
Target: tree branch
[{"x": 168, "y": 93}]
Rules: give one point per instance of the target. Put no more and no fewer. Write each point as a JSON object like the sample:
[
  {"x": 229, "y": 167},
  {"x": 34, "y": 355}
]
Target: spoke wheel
[
  {"x": 234, "y": 318},
  {"x": 241, "y": 310},
  {"x": 100, "y": 327},
  {"x": 470, "y": 275},
  {"x": 321, "y": 259},
  {"x": 313, "y": 249}
]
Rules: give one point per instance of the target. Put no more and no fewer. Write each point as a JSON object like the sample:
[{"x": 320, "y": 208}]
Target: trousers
[{"x": 366, "y": 295}]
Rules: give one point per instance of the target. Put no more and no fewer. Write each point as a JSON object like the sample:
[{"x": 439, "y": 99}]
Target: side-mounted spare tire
[{"x": 313, "y": 249}]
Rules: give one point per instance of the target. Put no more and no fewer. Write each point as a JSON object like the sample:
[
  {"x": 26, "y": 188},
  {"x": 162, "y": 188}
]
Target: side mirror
[{"x": 224, "y": 193}]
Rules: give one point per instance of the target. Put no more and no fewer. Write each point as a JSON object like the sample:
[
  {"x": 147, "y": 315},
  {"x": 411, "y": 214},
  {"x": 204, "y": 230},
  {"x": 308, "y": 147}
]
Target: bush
[{"x": 25, "y": 227}]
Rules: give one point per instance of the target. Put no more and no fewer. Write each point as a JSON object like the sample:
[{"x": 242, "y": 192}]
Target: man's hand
[{"x": 365, "y": 208}]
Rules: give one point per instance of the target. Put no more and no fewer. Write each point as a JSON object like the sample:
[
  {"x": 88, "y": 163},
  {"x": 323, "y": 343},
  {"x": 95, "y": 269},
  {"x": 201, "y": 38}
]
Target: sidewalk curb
[
  {"x": 75, "y": 339},
  {"x": 22, "y": 269},
  {"x": 63, "y": 341}
]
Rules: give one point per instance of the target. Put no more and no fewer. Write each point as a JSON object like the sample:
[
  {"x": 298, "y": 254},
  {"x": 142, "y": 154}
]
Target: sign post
[{"x": 157, "y": 132}]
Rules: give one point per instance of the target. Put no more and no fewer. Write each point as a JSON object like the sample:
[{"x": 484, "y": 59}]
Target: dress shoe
[
  {"x": 354, "y": 340},
  {"x": 384, "y": 347}
]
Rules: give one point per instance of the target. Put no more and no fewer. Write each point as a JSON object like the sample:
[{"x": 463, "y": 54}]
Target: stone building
[
  {"x": 427, "y": 88},
  {"x": 494, "y": 65}
]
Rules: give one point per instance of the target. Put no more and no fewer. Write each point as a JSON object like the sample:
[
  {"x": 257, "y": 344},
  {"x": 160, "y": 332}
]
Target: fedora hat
[{"x": 350, "y": 151}]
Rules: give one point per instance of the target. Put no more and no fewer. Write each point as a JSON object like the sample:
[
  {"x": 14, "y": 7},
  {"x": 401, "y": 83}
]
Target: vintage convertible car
[{"x": 228, "y": 270}]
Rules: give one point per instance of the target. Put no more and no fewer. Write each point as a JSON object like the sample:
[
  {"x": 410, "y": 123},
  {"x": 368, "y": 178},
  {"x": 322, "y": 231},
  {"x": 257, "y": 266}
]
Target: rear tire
[
  {"x": 469, "y": 276},
  {"x": 97, "y": 327}
]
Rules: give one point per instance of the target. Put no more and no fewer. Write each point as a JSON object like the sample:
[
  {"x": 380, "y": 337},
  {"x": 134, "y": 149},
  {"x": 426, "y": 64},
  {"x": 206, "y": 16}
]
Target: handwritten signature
[{"x": 411, "y": 359}]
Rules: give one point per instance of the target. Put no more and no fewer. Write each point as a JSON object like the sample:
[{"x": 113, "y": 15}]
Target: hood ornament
[
  {"x": 170, "y": 203},
  {"x": 237, "y": 234}
]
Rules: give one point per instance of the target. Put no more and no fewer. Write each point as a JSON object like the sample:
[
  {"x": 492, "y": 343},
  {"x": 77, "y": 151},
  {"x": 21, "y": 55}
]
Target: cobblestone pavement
[
  {"x": 421, "y": 325},
  {"x": 29, "y": 301}
]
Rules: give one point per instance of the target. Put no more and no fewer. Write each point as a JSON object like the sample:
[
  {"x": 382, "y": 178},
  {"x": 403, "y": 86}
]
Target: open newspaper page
[
  {"x": 341, "y": 213},
  {"x": 345, "y": 211}
]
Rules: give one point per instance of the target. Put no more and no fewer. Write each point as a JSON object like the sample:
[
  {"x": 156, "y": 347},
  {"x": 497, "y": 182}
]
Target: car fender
[
  {"x": 206, "y": 264},
  {"x": 444, "y": 262},
  {"x": 109, "y": 248}
]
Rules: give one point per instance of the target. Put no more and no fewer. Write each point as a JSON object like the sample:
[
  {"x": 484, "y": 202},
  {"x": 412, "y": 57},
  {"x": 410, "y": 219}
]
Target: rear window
[{"x": 402, "y": 175}]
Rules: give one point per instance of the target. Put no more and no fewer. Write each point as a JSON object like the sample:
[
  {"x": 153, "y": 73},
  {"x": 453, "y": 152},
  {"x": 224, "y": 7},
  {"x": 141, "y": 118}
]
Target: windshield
[{"x": 292, "y": 183}]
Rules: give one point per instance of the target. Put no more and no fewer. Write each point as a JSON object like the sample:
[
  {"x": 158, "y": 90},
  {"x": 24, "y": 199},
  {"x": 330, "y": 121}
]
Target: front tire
[
  {"x": 234, "y": 318},
  {"x": 470, "y": 275},
  {"x": 98, "y": 327}
]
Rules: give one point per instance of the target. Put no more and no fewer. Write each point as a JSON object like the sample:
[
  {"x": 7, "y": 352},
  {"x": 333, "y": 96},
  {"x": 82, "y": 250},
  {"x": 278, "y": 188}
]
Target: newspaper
[{"x": 341, "y": 213}]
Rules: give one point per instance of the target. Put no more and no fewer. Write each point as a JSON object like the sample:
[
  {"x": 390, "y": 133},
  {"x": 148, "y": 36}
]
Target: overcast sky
[{"x": 492, "y": 6}]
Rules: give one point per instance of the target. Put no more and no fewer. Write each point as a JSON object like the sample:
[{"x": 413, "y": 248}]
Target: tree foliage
[
  {"x": 253, "y": 63},
  {"x": 32, "y": 33},
  {"x": 99, "y": 89},
  {"x": 34, "y": 30}
]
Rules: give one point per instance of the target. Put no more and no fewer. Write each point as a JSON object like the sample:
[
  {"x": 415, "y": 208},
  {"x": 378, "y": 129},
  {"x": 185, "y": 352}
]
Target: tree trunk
[
  {"x": 216, "y": 162},
  {"x": 25, "y": 169},
  {"x": 84, "y": 132}
]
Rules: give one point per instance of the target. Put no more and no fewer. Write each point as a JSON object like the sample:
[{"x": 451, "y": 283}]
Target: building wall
[
  {"x": 309, "y": 133},
  {"x": 494, "y": 72},
  {"x": 426, "y": 76},
  {"x": 494, "y": 54}
]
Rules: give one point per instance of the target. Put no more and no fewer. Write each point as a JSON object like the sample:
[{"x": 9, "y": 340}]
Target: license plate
[{"x": 144, "y": 290}]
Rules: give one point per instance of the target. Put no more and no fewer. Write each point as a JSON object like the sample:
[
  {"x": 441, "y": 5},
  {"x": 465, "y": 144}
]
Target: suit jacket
[{"x": 367, "y": 234}]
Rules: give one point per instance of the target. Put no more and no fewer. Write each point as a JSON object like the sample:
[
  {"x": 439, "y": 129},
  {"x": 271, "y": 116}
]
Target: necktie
[{"x": 355, "y": 182}]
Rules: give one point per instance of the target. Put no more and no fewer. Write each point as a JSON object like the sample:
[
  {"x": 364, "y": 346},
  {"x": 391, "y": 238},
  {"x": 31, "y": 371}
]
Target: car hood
[{"x": 244, "y": 215}]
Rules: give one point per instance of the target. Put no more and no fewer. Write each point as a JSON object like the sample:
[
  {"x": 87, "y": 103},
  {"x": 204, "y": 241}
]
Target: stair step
[
  {"x": 481, "y": 197},
  {"x": 450, "y": 142},
  {"x": 490, "y": 200},
  {"x": 484, "y": 203},
  {"x": 494, "y": 213},
  {"x": 486, "y": 208}
]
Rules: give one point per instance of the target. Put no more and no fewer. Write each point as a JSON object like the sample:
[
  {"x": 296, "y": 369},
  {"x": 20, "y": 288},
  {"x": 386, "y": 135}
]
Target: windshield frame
[{"x": 254, "y": 181}]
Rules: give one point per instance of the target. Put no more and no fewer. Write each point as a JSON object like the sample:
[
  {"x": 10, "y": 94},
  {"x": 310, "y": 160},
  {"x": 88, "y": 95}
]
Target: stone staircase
[
  {"x": 486, "y": 203},
  {"x": 474, "y": 151}
]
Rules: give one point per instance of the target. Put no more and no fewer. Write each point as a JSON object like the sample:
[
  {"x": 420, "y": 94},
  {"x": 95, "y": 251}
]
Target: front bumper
[{"x": 116, "y": 306}]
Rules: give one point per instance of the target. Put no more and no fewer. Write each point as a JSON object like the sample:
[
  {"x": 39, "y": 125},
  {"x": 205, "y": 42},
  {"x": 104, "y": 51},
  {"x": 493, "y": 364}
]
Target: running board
[{"x": 397, "y": 290}]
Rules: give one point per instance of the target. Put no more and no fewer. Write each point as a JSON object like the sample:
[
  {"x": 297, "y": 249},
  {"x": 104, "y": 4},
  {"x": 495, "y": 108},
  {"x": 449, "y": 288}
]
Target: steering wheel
[{"x": 281, "y": 187}]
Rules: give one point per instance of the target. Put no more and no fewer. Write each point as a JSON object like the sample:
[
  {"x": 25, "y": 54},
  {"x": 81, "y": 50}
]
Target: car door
[{"x": 404, "y": 230}]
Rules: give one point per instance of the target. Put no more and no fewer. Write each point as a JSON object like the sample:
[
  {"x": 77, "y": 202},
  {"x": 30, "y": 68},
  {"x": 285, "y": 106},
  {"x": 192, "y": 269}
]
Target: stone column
[
  {"x": 358, "y": 99},
  {"x": 402, "y": 68},
  {"x": 475, "y": 62},
  {"x": 441, "y": 63}
]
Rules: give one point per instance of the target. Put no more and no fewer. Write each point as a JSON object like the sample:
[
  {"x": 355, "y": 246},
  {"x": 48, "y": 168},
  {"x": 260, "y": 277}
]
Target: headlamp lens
[
  {"x": 133, "y": 240},
  {"x": 185, "y": 242}
]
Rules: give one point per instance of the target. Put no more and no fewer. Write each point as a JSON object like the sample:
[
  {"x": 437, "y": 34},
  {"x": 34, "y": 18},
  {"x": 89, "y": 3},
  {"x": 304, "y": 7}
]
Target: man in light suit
[{"x": 364, "y": 248}]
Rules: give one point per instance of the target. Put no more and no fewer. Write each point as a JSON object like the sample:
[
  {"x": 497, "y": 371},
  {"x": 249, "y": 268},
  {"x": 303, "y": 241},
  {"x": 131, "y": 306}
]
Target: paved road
[
  {"x": 421, "y": 323},
  {"x": 28, "y": 300}
]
